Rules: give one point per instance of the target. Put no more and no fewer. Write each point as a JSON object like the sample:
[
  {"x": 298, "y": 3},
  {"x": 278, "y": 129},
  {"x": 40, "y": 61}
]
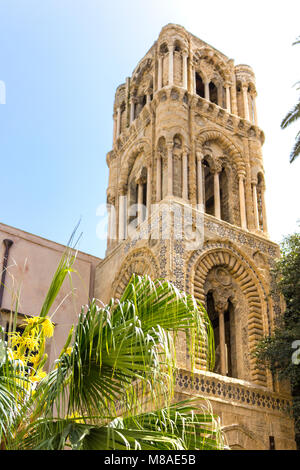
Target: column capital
[
  {"x": 199, "y": 155},
  {"x": 217, "y": 168},
  {"x": 186, "y": 150},
  {"x": 122, "y": 191},
  {"x": 241, "y": 173},
  {"x": 169, "y": 145}
]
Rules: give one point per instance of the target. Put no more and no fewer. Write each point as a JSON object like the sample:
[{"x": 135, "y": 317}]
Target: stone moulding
[{"x": 217, "y": 387}]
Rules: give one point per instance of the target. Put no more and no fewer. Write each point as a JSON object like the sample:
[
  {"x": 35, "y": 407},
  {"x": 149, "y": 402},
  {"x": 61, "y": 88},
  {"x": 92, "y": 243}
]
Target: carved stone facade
[{"x": 186, "y": 203}]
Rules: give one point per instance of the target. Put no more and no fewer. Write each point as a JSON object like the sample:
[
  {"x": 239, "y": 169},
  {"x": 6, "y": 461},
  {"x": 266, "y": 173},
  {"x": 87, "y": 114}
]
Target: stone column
[
  {"x": 245, "y": 100},
  {"x": 122, "y": 216},
  {"x": 200, "y": 195},
  {"x": 160, "y": 72},
  {"x": 242, "y": 201},
  {"x": 171, "y": 65},
  {"x": 184, "y": 70},
  {"x": 222, "y": 342},
  {"x": 255, "y": 207},
  {"x": 170, "y": 168},
  {"x": 185, "y": 175},
  {"x": 132, "y": 103},
  {"x": 140, "y": 201},
  {"x": 206, "y": 90},
  {"x": 149, "y": 190},
  {"x": 217, "y": 194},
  {"x": 109, "y": 223},
  {"x": 118, "y": 122},
  {"x": 264, "y": 212},
  {"x": 115, "y": 128},
  {"x": 228, "y": 103},
  {"x": 254, "y": 110},
  {"x": 220, "y": 297},
  {"x": 158, "y": 178},
  {"x": 194, "y": 81}
]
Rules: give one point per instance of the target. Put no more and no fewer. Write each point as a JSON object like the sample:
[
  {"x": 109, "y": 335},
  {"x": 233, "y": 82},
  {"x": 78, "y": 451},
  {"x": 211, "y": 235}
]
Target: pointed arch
[
  {"x": 231, "y": 148},
  {"x": 129, "y": 158},
  {"x": 140, "y": 261}
]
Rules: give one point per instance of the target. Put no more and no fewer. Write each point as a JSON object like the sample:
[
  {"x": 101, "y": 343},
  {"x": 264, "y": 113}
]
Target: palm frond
[
  {"x": 296, "y": 149},
  {"x": 291, "y": 116}
]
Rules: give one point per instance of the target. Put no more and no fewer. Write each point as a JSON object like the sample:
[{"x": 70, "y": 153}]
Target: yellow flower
[
  {"x": 69, "y": 350},
  {"x": 34, "y": 359},
  {"x": 15, "y": 338},
  {"x": 76, "y": 415},
  {"x": 39, "y": 376},
  {"x": 48, "y": 327},
  {"x": 31, "y": 342},
  {"x": 33, "y": 320},
  {"x": 20, "y": 356}
]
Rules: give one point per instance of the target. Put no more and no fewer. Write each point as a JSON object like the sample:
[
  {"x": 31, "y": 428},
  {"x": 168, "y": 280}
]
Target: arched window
[
  {"x": 177, "y": 47},
  {"x": 163, "y": 48},
  {"x": 209, "y": 198},
  {"x": 199, "y": 86},
  {"x": 213, "y": 93},
  {"x": 224, "y": 196}
]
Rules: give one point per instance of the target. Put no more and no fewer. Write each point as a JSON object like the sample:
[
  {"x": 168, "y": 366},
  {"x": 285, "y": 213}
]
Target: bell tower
[{"x": 186, "y": 202}]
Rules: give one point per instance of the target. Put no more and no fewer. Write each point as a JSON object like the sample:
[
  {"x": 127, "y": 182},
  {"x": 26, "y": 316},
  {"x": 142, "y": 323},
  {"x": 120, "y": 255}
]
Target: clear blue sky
[{"x": 61, "y": 61}]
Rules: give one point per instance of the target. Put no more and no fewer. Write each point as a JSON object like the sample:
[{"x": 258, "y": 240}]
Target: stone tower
[{"x": 186, "y": 203}]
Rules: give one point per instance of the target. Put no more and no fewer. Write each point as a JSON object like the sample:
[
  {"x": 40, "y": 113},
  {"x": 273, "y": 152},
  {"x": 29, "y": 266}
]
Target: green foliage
[
  {"x": 292, "y": 116},
  {"x": 120, "y": 358},
  {"x": 279, "y": 351}
]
